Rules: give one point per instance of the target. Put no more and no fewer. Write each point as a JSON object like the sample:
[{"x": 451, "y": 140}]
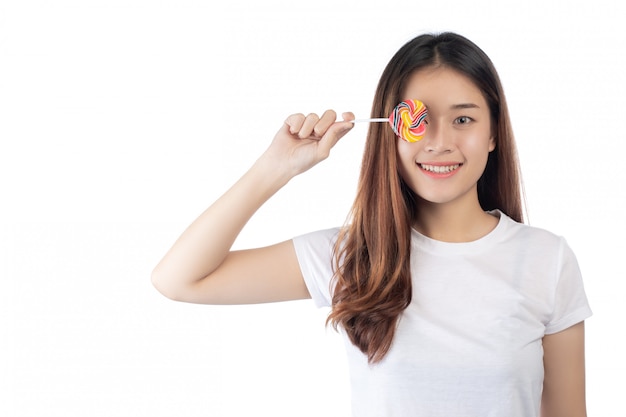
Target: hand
[{"x": 303, "y": 141}]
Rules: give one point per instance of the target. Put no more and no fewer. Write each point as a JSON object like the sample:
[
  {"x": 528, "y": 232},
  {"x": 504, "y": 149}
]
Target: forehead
[{"x": 442, "y": 88}]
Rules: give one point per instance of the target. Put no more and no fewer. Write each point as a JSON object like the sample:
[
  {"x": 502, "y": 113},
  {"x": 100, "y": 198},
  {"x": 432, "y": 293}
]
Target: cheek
[
  {"x": 406, "y": 154},
  {"x": 479, "y": 143}
]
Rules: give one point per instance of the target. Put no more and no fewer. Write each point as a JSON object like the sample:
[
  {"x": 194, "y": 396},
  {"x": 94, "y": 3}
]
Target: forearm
[{"x": 204, "y": 245}]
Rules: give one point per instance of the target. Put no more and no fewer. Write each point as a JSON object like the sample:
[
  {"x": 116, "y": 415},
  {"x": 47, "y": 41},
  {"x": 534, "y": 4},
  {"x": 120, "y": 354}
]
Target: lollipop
[{"x": 406, "y": 120}]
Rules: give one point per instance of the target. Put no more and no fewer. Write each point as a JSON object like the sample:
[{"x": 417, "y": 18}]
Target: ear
[{"x": 492, "y": 143}]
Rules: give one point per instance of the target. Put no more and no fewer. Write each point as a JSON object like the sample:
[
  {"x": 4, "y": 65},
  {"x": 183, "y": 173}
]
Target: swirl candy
[{"x": 406, "y": 120}]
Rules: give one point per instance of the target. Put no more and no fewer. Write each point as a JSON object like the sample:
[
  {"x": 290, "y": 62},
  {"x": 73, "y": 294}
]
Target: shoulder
[
  {"x": 323, "y": 234},
  {"x": 541, "y": 250},
  {"x": 316, "y": 248},
  {"x": 318, "y": 239},
  {"x": 528, "y": 235},
  {"x": 535, "y": 246},
  {"x": 315, "y": 251}
]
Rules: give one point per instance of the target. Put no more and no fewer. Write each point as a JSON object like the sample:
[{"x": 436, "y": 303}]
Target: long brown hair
[{"x": 372, "y": 283}]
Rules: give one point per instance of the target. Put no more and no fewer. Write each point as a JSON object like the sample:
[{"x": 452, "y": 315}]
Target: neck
[{"x": 458, "y": 221}]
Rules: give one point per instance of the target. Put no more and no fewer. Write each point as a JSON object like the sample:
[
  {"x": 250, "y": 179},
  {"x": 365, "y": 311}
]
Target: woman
[{"x": 450, "y": 306}]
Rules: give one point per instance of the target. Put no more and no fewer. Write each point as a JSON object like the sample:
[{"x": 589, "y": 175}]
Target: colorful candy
[{"x": 407, "y": 120}]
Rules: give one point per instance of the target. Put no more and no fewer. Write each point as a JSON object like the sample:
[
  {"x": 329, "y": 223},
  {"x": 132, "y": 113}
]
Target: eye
[{"x": 463, "y": 120}]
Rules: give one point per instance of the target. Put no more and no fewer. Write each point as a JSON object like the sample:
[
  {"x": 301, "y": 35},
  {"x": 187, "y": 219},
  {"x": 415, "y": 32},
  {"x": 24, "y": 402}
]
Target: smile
[{"x": 439, "y": 169}]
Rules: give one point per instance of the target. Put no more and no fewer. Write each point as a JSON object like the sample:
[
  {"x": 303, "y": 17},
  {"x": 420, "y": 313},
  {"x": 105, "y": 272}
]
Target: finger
[
  {"x": 326, "y": 121},
  {"x": 344, "y": 126},
  {"x": 295, "y": 122},
  {"x": 347, "y": 116},
  {"x": 307, "y": 127},
  {"x": 335, "y": 132}
]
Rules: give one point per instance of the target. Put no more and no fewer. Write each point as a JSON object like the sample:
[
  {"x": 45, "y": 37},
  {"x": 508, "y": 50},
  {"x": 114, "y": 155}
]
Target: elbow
[{"x": 163, "y": 285}]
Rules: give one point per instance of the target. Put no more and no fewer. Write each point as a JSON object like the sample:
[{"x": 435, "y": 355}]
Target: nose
[{"x": 436, "y": 140}]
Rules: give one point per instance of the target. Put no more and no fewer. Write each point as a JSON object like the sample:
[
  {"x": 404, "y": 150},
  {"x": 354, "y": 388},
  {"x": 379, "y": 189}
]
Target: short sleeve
[
  {"x": 570, "y": 301},
  {"x": 315, "y": 256}
]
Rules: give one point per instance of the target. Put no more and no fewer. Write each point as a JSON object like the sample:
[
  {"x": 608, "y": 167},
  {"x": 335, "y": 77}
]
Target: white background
[{"x": 121, "y": 120}]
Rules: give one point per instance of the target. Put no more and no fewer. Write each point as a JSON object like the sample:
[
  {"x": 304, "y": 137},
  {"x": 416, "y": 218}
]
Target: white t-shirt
[{"x": 470, "y": 342}]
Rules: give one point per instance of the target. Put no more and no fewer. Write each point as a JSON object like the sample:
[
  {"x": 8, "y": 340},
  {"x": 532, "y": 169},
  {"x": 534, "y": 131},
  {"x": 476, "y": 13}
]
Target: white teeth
[{"x": 439, "y": 169}]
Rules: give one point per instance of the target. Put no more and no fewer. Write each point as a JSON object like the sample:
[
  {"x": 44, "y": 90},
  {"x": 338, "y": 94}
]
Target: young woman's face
[{"x": 446, "y": 164}]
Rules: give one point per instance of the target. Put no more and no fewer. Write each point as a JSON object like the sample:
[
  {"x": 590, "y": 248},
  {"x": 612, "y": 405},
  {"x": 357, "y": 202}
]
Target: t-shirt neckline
[{"x": 440, "y": 247}]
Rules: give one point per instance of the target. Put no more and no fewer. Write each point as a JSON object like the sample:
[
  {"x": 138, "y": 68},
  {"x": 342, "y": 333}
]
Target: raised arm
[{"x": 201, "y": 268}]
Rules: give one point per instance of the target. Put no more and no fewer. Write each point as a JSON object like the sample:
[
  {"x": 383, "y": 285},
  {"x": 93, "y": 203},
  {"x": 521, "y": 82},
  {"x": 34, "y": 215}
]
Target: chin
[{"x": 439, "y": 198}]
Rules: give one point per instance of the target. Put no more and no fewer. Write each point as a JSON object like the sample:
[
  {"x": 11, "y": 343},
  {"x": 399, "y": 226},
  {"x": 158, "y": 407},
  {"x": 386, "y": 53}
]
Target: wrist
[
  {"x": 269, "y": 174},
  {"x": 273, "y": 169}
]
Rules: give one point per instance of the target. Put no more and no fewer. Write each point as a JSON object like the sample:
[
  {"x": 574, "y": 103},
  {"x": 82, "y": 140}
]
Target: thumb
[{"x": 335, "y": 132}]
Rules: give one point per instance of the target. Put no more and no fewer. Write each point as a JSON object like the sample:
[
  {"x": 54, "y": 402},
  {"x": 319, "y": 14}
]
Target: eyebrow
[{"x": 464, "y": 106}]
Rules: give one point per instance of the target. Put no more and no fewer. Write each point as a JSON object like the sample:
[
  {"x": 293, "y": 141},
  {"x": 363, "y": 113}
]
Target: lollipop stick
[{"x": 381, "y": 119}]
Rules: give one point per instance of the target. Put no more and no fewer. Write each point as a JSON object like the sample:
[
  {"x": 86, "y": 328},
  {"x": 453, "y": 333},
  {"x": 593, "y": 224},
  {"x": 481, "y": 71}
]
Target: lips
[{"x": 439, "y": 168}]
